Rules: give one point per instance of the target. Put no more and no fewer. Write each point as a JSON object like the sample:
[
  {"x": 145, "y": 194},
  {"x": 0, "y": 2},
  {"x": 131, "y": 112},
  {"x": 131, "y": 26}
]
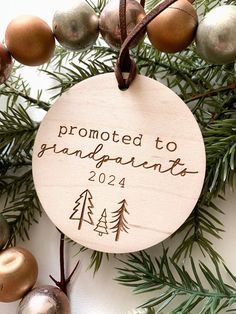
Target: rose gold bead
[
  {"x": 174, "y": 29},
  {"x": 30, "y": 40}
]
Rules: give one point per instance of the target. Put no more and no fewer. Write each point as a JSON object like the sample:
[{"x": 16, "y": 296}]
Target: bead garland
[{"x": 76, "y": 27}]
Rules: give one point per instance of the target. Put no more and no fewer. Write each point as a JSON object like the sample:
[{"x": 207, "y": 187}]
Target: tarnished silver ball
[
  {"x": 75, "y": 25},
  {"x": 109, "y": 23},
  {"x": 46, "y": 300},
  {"x": 4, "y": 232},
  {"x": 216, "y": 35}
]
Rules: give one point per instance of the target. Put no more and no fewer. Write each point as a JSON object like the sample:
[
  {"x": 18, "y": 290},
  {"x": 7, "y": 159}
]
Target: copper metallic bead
[
  {"x": 5, "y": 64},
  {"x": 75, "y": 26},
  {"x": 18, "y": 273},
  {"x": 174, "y": 29},
  {"x": 45, "y": 300},
  {"x": 30, "y": 40},
  {"x": 110, "y": 23},
  {"x": 216, "y": 35}
]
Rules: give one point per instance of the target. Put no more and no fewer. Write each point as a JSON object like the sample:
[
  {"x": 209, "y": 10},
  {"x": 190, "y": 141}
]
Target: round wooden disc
[{"x": 118, "y": 171}]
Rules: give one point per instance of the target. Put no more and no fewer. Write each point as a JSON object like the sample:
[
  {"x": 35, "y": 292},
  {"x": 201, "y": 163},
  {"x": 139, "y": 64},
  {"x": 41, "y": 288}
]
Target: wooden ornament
[
  {"x": 174, "y": 29},
  {"x": 118, "y": 171}
]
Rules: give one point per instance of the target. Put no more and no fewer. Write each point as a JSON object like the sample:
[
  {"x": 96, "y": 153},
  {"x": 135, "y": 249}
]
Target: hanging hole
[{"x": 123, "y": 88}]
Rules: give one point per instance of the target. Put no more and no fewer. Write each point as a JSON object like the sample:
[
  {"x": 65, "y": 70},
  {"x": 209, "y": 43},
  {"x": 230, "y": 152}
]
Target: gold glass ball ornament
[
  {"x": 174, "y": 28},
  {"x": 216, "y": 35},
  {"x": 30, "y": 40},
  {"x": 46, "y": 300},
  {"x": 5, "y": 64},
  {"x": 109, "y": 22},
  {"x": 18, "y": 273},
  {"x": 75, "y": 25}
]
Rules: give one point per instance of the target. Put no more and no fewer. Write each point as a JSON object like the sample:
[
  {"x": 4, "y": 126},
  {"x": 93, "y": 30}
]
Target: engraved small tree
[
  {"x": 101, "y": 227},
  {"x": 120, "y": 223},
  {"x": 83, "y": 209}
]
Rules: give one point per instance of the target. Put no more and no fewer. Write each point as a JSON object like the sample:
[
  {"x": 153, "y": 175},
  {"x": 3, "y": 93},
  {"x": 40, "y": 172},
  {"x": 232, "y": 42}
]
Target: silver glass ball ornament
[
  {"x": 75, "y": 25},
  {"x": 4, "y": 232},
  {"x": 216, "y": 35},
  {"x": 109, "y": 22},
  {"x": 46, "y": 300}
]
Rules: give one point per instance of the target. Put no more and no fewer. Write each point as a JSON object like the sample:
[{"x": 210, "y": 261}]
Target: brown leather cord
[
  {"x": 122, "y": 65},
  {"x": 126, "y": 66},
  {"x": 122, "y": 17}
]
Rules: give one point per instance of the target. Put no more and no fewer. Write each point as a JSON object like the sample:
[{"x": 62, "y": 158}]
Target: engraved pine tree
[
  {"x": 101, "y": 227},
  {"x": 83, "y": 209},
  {"x": 120, "y": 222}
]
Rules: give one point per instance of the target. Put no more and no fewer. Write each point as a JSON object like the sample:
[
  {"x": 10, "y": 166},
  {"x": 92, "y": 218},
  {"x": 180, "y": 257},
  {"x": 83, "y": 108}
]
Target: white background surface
[{"x": 88, "y": 295}]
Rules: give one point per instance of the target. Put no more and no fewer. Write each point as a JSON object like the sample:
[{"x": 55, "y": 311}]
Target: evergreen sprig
[
  {"x": 220, "y": 144},
  {"x": 178, "y": 290},
  {"x": 22, "y": 207},
  {"x": 17, "y": 89},
  {"x": 17, "y": 132},
  {"x": 75, "y": 73},
  {"x": 96, "y": 258}
]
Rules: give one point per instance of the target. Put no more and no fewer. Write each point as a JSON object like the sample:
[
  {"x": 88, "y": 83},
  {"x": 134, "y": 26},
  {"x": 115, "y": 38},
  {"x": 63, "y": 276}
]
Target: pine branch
[
  {"x": 10, "y": 90},
  {"x": 17, "y": 89},
  {"x": 220, "y": 144},
  {"x": 75, "y": 73},
  {"x": 195, "y": 81},
  {"x": 11, "y": 185},
  {"x": 23, "y": 209},
  {"x": 61, "y": 57},
  {"x": 172, "y": 281},
  {"x": 142, "y": 311},
  {"x": 98, "y": 5},
  {"x": 17, "y": 133},
  {"x": 202, "y": 6},
  {"x": 201, "y": 225},
  {"x": 96, "y": 259},
  {"x": 210, "y": 92}
]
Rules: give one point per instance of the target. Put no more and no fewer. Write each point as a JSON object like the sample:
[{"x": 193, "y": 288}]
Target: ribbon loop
[{"x": 124, "y": 62}]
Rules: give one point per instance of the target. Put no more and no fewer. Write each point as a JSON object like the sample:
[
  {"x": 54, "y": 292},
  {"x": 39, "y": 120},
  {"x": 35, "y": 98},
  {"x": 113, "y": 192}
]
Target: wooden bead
[
  {"x": 30, "y": 40},
  {"x": 174, "y": 29},
  {"x": 18, "y": 273},
  {"x": 110, "y": 26}
]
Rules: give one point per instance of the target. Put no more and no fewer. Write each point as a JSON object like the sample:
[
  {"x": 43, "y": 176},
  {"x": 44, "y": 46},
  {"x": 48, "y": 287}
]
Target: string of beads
[{"x": 76, "y": 26}]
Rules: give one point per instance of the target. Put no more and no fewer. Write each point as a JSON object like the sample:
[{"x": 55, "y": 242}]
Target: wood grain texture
[{"x": 118, "y": 171}]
